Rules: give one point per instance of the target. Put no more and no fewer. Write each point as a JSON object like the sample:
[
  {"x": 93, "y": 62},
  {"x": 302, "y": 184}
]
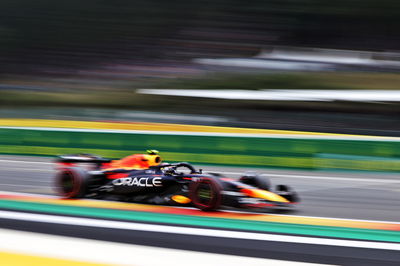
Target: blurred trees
[{"x": 76, "y": 33}]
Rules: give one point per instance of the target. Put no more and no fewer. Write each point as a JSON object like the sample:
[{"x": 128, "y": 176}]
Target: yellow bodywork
[
  {"x": 180, "y": 199},
  {"x": 264, "y": 194}
]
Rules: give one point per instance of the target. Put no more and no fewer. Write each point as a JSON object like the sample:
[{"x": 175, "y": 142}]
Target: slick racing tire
[
  {"x": 287, "y": 192},
  {"x": 256, "y": 181},
  {"x": 206, "y": 193},
  {"x": 72, "y": 182}
]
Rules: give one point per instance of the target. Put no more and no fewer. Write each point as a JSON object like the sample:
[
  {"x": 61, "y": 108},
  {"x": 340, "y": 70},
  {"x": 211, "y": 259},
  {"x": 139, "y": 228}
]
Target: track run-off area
[{"x": 343, "y": 219}]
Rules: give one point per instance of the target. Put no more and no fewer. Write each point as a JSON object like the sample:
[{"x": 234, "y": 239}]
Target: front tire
[
  {"x": 206, "y": 193},
  {"x": 72, "y": 182},
  {"x": 287, "y": 192}
]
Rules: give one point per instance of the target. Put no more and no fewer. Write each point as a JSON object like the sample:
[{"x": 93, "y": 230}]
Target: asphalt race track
[
  {"x": 367, "y": 196},
  {"x": 370, "y": 196}
]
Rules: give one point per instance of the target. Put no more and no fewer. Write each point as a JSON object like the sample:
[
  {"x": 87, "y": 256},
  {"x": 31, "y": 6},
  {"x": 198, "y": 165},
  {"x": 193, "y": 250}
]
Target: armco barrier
[{"x": 243, "y": 151}]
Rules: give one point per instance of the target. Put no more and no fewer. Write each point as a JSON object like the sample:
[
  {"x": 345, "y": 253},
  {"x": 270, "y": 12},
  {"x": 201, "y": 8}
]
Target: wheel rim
[
  {"x": 66, "y": 183},
  {"x": 204, "y": 194}
]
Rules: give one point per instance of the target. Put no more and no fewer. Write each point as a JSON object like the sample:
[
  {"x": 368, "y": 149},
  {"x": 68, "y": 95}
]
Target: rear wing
[{"x": 81, "y": 158}]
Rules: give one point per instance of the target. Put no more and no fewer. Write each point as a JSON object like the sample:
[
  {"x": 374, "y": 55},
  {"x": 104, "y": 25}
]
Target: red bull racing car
[{"x": 143, "y": 178}]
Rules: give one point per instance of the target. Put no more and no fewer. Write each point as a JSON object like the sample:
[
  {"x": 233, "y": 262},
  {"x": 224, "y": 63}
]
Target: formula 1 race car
[{"x": 165, "y": 183}]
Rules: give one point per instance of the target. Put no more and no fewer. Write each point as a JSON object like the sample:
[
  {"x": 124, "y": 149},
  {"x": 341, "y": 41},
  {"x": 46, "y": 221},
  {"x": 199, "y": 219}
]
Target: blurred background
[
  {"x": 300, "y": 65},
  {"x": 297, "y": 65}
]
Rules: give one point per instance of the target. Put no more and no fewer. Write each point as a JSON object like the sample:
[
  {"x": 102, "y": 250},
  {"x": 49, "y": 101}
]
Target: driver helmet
[
  {"x": 152, "y": 158},
  {"x": 152, "y": 152}
]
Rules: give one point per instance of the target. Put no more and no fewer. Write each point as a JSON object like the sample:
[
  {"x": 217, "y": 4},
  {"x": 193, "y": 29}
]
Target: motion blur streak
[
  {"x": 195, "y": 231},
  {"x": 305, "y": 92},
  {"x": 99, "y": 252},
  {"x": 32, "y": 260},
  {"x": 331, "y": 194}
]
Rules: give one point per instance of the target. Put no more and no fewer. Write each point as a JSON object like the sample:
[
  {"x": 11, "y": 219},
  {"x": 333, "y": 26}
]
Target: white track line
[
  {"x": 70, "y": 248},
  {"x": 195, "y": 231},
  {"x": 20, "y": 161},
  {"x": 30, "y": 194},
  {"x": 335, "y": 178}
]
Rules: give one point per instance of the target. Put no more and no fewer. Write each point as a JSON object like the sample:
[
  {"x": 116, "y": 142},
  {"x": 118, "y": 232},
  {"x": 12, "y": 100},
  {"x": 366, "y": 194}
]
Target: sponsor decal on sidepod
[{"x": 138, "y": 181}]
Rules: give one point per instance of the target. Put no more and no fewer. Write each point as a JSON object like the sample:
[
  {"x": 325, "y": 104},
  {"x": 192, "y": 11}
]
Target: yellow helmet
[{"x": 153, "y": 158}]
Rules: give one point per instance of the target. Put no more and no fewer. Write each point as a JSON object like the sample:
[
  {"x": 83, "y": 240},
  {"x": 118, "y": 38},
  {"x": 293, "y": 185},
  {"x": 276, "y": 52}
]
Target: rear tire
[
  {"x": 206, "y": 193},
  {"x": 72, "y": 182}
]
